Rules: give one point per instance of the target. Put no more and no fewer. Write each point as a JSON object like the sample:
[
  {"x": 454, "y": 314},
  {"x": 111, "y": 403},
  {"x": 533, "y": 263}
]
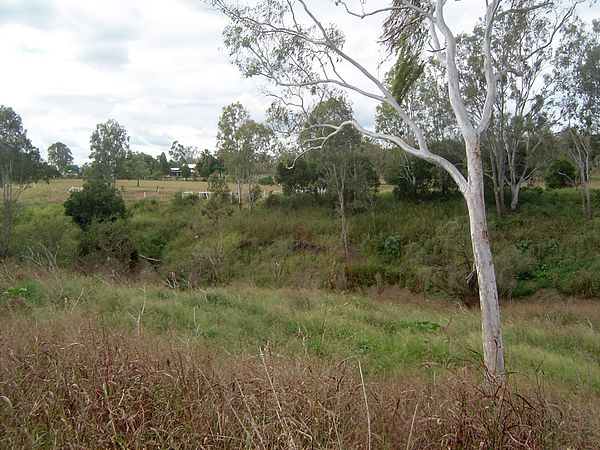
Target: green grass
[{"x": 562, "y": 343}]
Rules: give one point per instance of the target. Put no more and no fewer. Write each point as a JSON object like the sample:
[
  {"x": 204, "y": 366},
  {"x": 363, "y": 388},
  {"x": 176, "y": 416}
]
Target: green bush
[
  {"x": 391, "y": 246},
  {"x": 182, "y": 201},
  {"x": 267, "y": 181},
  {"x": 45, "y": 237},
  {"x": 95, "y": 202},
  {"x": 561, "y": 174},
  {"x": 512, "y": 264},
  {"x": 108, "y": 246}
]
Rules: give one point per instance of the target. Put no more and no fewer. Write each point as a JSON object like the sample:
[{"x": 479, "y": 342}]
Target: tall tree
[
  {"x": 139, "y": 166},
  {"x": 427, "y": 102},
  {"x": 336, "y": 152},
  {"x": 209, "y": 164},
  {"x": 59, "y": 155},
  {"x": 287, "y": 43},
  {"x": 165, "y": 167},
  {"x": 577, "y": 75},
  {"x": 229, "y": 143},
  {"x": 523, "y": 46},
  {"x": 20, "y": 164},
  {"x": 517, "y": 139},
  {"x": 245, "y": 146},
  {"x": 109, "y": 145}
]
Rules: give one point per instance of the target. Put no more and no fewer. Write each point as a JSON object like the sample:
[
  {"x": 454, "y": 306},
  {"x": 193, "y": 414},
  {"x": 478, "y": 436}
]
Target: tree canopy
[{"x": 109, "y": 145}]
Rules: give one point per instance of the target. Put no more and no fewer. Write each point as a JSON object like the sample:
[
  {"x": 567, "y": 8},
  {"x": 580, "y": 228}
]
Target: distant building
[{"x": 176, "y": 171}]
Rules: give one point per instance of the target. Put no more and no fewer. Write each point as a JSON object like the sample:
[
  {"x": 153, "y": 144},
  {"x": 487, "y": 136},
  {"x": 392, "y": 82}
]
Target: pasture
[{"x": 256, "y": 332}]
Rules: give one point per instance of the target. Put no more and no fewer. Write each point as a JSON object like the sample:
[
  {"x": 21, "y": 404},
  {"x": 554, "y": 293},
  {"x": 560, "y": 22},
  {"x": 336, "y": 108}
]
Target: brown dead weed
[{"x": 80, "y": 386}]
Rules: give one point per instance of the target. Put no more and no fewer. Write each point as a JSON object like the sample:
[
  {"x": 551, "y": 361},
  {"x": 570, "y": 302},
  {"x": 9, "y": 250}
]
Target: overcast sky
[{"x": 157, "y": 67}]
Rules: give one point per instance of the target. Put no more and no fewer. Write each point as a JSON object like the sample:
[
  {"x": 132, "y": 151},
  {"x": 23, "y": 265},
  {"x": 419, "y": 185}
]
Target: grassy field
[
  {"x": 292, "y": 345},
  {"x": 297, "y": 362},
  {"x": 57, "y": 190}
]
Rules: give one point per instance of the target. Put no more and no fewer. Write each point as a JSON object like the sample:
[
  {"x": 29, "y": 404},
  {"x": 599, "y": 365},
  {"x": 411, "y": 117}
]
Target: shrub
[
  {"x": 267, "y": 181},
  {"x": 391, "y": 247},
  {"x": 46, "y": 237},
  {"x": 561, "y": 174},
  {"x": 97, "y": 201},
  {"x": 513, "y": 263},
  {"x": 108, "y": 245},
  {"x": 181, "y": 201}
]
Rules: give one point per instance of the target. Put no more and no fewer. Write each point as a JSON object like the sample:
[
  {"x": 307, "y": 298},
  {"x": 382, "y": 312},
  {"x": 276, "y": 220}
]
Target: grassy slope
[
  {"x": 89, "y": 361},
  {"x": 560, "y": 339}
]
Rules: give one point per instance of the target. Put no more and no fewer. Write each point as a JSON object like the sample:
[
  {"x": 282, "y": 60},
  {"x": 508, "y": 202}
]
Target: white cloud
[{"x": 157, "y": 67}]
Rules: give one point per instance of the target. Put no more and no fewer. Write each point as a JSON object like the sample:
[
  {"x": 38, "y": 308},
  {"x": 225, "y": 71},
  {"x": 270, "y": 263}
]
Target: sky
[{"x": 157, "y": 67}]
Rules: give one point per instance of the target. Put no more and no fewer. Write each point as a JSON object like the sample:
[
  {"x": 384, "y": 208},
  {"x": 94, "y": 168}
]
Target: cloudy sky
[{"x": 157, "y": 67}]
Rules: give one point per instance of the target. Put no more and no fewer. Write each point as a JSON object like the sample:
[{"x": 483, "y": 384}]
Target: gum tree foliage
[
  {"x": 109, "y": 145},
  {"x": 208, "y": 164},
  {"x": 518, "y": 138},
  {"x": 183, "y": 155},
  {"x": 427, "y": 102},
  {"x": 302, "y": 175},
  {"x": 229, "y": 143},
  {"x": 218, "y": 206},
  {"x": 337, "y": 155},
  {"x": 286, "y": 43},
  {"x": 20, "y": 165},
  {"x": 245, "y": 147},
  {"x": 163, "y": 163},
  {"x": 577, "y": 75},
  {"x": 561, "y": 174},
  {"x": 59, "y": 155},
  {"x": 138, "y": 165}
]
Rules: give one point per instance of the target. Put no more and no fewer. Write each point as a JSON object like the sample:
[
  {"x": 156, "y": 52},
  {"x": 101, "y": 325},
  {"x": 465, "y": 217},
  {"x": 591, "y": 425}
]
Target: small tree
[
  {"x": 217, "y": 209},
  {"x": 561, "y": 174},
  {"x": 163, "y": 163},
  {"x": 229, "y": 143},
  {"x": 245, "y": 146},
  {"x": 183, "y": 155},
  {"x": 337, "y": 154},
  {"x": 218, "y": 206},
  {"x": 300, "y": 176}
]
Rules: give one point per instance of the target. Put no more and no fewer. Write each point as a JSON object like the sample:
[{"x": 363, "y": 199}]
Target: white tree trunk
[
  {"x": 497, "y": 162},
  {"x": 585, "y": 193},
  {"x": 239, "y": 190},
  {"x": 515, "y": 189},
  {"x": 493, "y": 350}
]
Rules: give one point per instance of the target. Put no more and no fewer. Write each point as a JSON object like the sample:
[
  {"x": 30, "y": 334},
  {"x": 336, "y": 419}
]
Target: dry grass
[
  {"x": 79, "y": 385},
  {"x": 57, "y": 191}
]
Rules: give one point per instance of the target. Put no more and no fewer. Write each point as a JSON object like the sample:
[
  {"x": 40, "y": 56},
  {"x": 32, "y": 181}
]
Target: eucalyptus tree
[
  {"x": 523, "y": 44},
  {"x": 519, "y": 136},
  {"x": 286, "y": 42},
  {"x": 183, "y": 155},
  {"x": 20, "y": 164},
  {"x": 428, "y": 104},
  {"x": 229, "y": 143},
  {"x": 246, "y": 147},
  {"x": 577, "y": 75},
  {"x": 337, "y": 153},
  {"x": 60, "y": 156},
  {"x": 110, "y": 146}
]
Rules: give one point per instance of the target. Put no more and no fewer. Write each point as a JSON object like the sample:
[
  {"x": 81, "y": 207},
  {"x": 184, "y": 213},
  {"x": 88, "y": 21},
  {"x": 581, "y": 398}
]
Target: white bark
[{"x": 493, "y": 350}]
